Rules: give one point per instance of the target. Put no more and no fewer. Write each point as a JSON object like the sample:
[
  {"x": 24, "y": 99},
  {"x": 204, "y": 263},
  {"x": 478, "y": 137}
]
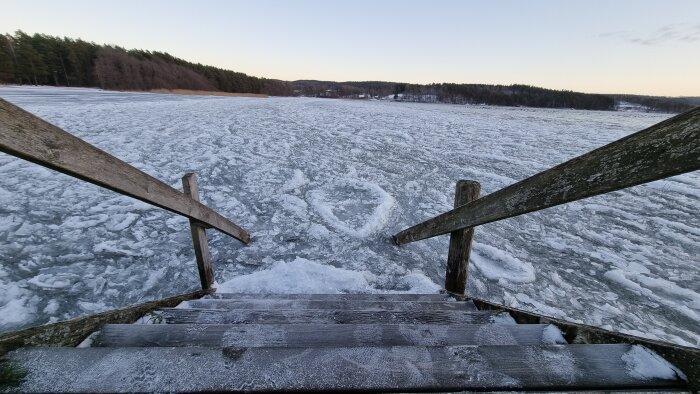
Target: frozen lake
[{"x": 322, "y": 185}]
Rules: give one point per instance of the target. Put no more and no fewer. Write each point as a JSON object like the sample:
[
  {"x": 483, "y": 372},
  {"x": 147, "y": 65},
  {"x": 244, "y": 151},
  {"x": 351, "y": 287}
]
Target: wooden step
[
  {"x": 321, "y": 316},
  {"x": 399, "y": 368},
  {"x": 323, "y": 335},
  {"x": 334, "y": 297},
  {"x": 273, "y": 304}
]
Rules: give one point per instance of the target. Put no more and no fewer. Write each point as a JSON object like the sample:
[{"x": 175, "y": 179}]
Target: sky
[{"x": 597, "y": 46}]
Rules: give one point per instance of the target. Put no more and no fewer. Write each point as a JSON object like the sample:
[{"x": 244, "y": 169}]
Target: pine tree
[{"x": 7, "y": 62}]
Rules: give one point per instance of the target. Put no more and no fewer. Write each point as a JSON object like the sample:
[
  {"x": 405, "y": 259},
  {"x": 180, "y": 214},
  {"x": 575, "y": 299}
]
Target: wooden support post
[
  {"x": 461, "y": 241},
  {"x": 199, "y": 235}
]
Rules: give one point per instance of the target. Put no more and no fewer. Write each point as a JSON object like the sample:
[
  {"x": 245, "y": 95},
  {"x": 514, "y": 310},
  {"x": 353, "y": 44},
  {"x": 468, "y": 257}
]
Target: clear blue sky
[{"x": 644, "y": 47}]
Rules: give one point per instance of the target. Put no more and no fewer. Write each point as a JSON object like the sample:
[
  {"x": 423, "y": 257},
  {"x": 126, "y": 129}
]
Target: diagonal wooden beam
[
  {"x": 668, "y": 148},
  {"x": 31, "y": 138}
]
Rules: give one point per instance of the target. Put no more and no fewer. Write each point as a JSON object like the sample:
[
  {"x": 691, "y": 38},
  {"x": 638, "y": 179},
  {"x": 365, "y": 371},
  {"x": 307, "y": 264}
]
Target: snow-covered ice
[
  {"x": 321, "y": 185},
  {"x": 363, "y": 207}
]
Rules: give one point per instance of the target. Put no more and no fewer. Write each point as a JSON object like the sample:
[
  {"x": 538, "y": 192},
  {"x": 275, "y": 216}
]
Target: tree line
[
  {"x": 661, "y": 104},
  {"x": 47, "y": 60}
]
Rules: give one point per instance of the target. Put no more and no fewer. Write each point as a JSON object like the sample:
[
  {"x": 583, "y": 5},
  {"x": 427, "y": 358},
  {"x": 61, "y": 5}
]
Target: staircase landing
[{"x": 243, "y": 342}]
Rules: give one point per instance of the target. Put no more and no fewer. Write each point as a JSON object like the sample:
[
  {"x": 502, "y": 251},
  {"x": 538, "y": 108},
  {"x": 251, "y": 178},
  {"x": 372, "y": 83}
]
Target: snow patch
[
  {"x": 552, "y": 336},
  {"x": 417, "y": 282},
  {"x": 52, "y": 281},
  {"x": 17, "y": 305},
  {"x": 298, "y": 180},
  {"x": 310, "y": 277},
  {"x": 317, "y": 231},
  {"x": 300, "y": 276},
  {"x": 503, "y": 318},
  {"x": 497, "y": 265},
  {"x": 121, "y": 222},
  {"x": 154, "y": 278},
  {"x": 51, "y": 307},
  {"x": 89, "y": 340},
  {"x": 353, "y": 207},
  {"x": 682, "y": 300},
  {"x": 294, "y": 205},
  {"x": 642, "y": 363}
]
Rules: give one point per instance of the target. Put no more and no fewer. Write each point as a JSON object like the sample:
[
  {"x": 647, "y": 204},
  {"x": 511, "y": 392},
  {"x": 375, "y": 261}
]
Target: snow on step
[
  {"x": 399, "y": 368},
  {"x": 322, "y": 316},
  {"x": 324, "y": 335},
  {"x": 272, "y": 304},
  {"x": 334, "y": 297}
]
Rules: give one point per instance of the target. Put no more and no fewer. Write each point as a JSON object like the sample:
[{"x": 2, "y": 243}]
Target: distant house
[{"x": 329, "y": 93}]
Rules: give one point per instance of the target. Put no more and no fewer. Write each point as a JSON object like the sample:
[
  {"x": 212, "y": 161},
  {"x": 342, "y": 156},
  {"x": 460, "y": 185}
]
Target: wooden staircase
[{"x": 350, "y": 342}]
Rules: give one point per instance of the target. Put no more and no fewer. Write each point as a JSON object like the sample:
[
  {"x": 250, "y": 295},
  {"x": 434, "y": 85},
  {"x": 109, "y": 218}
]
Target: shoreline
[{"x": 205, "y": 93}]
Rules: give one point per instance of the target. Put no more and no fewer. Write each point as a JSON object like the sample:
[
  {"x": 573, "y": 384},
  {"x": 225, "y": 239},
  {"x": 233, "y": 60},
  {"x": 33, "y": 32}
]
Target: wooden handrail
[
  {"x": 668, "y": 148},
  {"x": 31, "y": 138}
]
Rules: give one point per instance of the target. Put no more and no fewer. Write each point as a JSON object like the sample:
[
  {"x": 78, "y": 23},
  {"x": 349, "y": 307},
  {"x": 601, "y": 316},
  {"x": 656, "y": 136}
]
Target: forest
[
  {"x": 513, "y": 95},
  {"x": 47, "y": 60}
]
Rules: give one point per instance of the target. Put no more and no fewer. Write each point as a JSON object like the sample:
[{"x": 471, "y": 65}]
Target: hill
[{"x": 46, "y": 60}]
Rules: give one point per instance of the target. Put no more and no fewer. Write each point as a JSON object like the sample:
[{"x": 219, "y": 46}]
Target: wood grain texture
[
  {"x": 687, "y": 359},
  {"x": 72, "y": 332},
  {"x": 460, "y": 241},
  {"x": 272, "y": 304},
  {"x": 375, "y": 369},
  {"x": 318, "y": 335},
  {"x": 668, "y": 148},
  {"x": 31, "y": 138},
  {"x": 335, "y": 297},
  {"x": 319, "y": 316},
  {"x": 199, "y": 235}
]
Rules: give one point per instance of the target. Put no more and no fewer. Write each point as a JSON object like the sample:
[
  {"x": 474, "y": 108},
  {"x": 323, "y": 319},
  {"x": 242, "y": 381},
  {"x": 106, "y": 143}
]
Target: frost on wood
[{"x": 396, "y": 368}]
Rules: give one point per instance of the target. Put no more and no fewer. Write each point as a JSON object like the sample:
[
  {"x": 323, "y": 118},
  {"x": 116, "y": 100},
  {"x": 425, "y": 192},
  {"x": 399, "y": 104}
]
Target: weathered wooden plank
[
  {"x": 335, "y": 297},
  {"x": 685, "y": 358},
  {"x": 668, "y": 148},
  {"x": 72, "y": 332},
  {"x": 272, "y": 304},
  {"x": 321, "y": 335},
  {"x": 31, "y": 138},
  {"x": 199, "y": 235},
  {"x": 393, "y": 369},
  {"x": 320, "y": 316},
  {"x": 461, "y": 241}
]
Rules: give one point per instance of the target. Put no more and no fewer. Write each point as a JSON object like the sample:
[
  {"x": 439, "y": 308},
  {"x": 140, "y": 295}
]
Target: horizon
[{"x": 622, "y": 48}]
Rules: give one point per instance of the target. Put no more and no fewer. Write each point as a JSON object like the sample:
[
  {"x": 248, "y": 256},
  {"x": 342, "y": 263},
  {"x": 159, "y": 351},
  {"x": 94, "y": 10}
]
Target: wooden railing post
[
  {"x": 199, "y": 235},
  {"x": 461, "y": 241}
]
